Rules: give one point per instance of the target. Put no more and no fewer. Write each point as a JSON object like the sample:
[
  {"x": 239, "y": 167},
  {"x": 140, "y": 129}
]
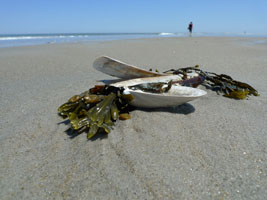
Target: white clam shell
[{"x": 177, "y": 95}]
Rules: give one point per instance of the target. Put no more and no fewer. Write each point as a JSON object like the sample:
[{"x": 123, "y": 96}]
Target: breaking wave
[
  {"x": 39, "y": 37},
  {"x": 166, "y": 34}
]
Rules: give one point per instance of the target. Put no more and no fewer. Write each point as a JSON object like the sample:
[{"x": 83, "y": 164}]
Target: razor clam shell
[{"x": 122, "y": 70}]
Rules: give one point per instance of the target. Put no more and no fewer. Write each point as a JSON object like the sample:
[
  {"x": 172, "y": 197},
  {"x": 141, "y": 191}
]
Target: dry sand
[{"x": 210, "y": 148}]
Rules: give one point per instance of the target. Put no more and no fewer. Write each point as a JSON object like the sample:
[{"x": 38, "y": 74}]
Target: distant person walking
[{"x": 190, "y": 28}]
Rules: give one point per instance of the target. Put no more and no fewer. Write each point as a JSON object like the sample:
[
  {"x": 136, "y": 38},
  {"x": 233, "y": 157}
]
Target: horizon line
[{"x": 39, "y": 33}]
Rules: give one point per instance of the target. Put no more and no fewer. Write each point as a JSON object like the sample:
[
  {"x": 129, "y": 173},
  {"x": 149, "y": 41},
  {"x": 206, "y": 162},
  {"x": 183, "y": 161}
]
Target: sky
[{"x": 132, "y": 16}]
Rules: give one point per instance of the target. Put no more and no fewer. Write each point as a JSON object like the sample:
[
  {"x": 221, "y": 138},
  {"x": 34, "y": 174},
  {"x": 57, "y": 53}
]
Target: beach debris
[
  {"x": 189, "y": 76},
  {"x": 97, "y": 109}
]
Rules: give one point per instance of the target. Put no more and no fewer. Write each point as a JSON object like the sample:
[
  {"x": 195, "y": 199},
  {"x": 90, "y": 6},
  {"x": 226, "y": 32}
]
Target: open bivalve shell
[{"x": 176, "y": 95}]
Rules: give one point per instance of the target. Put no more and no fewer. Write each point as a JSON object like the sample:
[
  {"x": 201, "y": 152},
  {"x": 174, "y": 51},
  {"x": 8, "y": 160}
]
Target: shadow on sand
[
  {"x": 73, "y": 133},
  {"x": 184, "y": 109}
]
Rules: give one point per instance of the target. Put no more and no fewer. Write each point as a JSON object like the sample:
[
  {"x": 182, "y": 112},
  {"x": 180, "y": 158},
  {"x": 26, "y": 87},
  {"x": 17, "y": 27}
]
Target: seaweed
[
  {"x": 221, "y": 83},
  {"x": 97, "y": 109}
]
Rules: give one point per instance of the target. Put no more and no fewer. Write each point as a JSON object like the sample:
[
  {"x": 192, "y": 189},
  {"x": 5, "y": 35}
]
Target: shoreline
[
  {"x": 29, "y": 41},
  {"x": 209, "y": 148}
]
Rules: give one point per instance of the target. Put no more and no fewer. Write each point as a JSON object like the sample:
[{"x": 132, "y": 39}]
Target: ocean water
[{"x": 38, "y": 39}]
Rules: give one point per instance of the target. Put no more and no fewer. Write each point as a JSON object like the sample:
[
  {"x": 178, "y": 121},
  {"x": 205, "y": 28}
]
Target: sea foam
[{"x": 166, "y": 34}]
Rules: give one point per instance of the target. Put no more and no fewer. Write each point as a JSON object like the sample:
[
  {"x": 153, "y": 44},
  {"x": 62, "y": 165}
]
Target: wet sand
[{"x": 210, "y": 148}]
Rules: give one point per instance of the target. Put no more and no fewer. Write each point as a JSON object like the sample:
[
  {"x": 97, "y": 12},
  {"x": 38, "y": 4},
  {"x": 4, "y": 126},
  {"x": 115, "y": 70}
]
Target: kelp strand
[{"x": 96, "y": 109}]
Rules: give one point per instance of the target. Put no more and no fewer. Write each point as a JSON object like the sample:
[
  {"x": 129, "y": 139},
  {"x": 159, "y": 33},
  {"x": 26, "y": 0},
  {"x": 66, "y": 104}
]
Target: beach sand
[{"x": 209, "y": 148}]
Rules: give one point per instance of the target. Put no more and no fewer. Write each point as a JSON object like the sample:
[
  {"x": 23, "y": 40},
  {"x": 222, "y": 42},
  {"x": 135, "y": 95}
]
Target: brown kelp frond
[
  {"x": 220, "y": 82},
  {"x": 96, "y": 109}
]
